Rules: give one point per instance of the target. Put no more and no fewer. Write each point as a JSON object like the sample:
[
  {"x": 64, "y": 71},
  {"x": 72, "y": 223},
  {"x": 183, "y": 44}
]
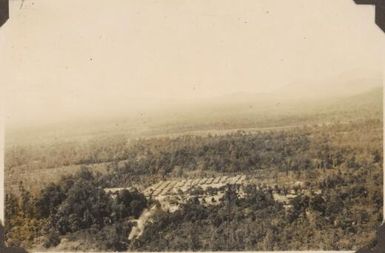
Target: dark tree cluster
[{"x": 76, "y": 204}]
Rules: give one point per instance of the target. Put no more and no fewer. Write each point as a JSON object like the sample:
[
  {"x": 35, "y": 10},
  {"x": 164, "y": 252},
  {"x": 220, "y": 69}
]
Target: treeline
[
  {"x": 119, "y": 147},
  {"x": 354, "y": 145},
  {"x": 77, "y": 206}
]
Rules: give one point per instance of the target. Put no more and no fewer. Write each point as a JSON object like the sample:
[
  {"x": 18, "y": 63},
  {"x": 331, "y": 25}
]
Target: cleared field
[{"x": 34, "y": 180}]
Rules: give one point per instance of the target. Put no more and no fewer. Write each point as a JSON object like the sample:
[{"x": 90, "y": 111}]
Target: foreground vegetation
[
  {"x": 332, "y": 220},
  {"x": 76, "y": 206}
]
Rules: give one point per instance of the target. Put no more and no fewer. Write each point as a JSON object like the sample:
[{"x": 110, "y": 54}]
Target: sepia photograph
[{"x": 191, "y": 125}]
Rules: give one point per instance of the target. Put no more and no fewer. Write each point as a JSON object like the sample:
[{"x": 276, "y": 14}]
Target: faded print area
[{"x": 192, "y": 126}]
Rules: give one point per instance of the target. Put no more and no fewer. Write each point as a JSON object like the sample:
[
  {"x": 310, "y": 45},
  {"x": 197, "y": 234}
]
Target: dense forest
[
  {"x": 307, "y": 148},
  {"x": 341, "y": 160}
]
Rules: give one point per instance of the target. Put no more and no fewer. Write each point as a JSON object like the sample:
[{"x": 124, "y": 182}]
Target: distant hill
[
  {"x": 371, "y": 99},
  {"x": 236, "y": 111}
]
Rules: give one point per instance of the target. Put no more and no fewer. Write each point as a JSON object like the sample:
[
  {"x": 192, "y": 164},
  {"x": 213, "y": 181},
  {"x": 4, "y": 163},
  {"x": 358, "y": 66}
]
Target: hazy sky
[{"x": 64, "y": 58}]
